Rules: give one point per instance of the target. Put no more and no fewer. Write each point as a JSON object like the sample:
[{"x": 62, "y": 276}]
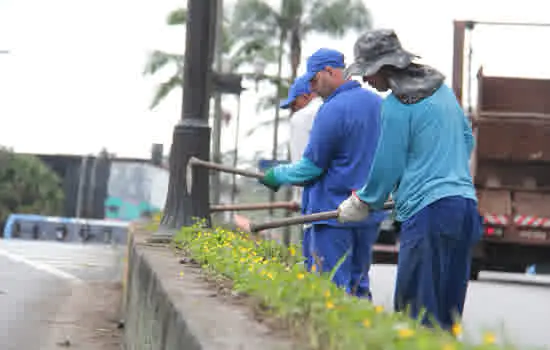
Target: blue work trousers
[
  {"x": 328, "y": 244},
  {"x": 306, "y": 246},
  {"x": 435, "y": 258}
]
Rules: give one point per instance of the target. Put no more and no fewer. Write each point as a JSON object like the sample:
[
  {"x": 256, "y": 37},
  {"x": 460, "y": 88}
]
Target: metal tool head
[{"x": 189, "y": 174}]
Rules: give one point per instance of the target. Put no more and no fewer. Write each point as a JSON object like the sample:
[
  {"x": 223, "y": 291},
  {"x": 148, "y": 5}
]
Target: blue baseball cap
[
  {"x": 299, "y": 87},
  {"x": 323, "y": 58}
]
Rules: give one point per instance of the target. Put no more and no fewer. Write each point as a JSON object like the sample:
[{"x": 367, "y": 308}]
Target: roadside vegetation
[{"x": 309, "y": 305}]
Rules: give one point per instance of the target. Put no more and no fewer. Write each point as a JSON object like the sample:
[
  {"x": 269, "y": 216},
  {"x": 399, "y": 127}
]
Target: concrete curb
[{"x": 169, "y": 306}]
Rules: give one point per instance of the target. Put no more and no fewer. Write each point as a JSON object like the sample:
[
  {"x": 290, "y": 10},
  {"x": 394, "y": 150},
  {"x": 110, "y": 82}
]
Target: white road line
[{"x": 41, "y": 266}]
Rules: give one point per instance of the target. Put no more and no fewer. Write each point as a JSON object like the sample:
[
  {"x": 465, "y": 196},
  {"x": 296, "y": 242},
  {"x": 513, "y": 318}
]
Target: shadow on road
[{"x": 531, "y": 282}]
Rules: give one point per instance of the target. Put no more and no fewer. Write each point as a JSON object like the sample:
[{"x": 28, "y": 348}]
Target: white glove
[{"x": 352, "y": 209}]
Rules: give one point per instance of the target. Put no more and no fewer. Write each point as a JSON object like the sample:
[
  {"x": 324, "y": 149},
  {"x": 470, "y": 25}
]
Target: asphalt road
[
  {"x": 37, "y": 277},
  {"x": 515, "y": 306}
]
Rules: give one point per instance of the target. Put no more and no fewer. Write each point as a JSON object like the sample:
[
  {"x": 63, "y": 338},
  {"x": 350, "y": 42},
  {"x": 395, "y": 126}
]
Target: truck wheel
[{"x": 474, "y": 272}]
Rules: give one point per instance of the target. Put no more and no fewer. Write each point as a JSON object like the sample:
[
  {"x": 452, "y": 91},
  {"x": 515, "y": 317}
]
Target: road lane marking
[{"x": 40, "y": 266}]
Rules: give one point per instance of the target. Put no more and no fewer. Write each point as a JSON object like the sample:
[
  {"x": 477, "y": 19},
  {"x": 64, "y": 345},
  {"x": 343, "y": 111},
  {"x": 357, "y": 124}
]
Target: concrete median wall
[{"x": 169, "y": 306}]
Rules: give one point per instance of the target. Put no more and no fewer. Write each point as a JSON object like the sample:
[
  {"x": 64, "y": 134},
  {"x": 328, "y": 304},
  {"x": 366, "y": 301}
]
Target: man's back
[
  {"x": 342, "y": 143},
  {"x": 437, "y": 164}
]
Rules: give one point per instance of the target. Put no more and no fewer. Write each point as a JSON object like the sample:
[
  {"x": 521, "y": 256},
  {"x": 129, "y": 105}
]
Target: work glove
[
  {"x": 352, "y": 209},
  {"x": 270, "y": 181}
]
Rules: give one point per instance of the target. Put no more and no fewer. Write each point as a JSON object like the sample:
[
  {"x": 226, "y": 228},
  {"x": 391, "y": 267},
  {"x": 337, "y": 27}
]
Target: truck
[{"x": 510, "y": 164}]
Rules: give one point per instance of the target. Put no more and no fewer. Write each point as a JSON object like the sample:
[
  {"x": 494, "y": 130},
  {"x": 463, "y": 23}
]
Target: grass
[{"x": 326, "y": 316}]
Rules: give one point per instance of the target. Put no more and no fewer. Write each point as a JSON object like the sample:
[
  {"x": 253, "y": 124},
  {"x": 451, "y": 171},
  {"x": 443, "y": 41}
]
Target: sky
[{"x": 73, "y": 81}]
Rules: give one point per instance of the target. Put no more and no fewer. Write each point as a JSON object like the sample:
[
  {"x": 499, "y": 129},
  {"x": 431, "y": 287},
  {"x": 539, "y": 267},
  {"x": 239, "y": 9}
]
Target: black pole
[{"x": 192, "y": 134}]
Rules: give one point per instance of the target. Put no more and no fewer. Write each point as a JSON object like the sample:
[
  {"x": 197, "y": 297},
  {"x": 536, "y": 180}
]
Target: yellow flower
[
  {"x": 300, "y": 276},
  {"x": 181, "y": 273},
  {"x": 292, "y": 251},
  {"x": 314, "y": 268},
  {"x": 405, "y": 333},
  {"x": 327, "y": 293},
  {"x": 366, "y": 323},
  {"x": 269, "y": 275},
  {"x": 448, "y": 347},
  {"x": 378, "y": 309},
  {"x": 489, "y": 338},
  {"x": 242, "y": 260},
  {"x": 329, "y": 305},
  {"x": 456, "y": 329}
]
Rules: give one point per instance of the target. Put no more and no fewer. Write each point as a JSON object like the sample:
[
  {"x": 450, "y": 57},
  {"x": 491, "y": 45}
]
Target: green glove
[{"x": 270, "y": 181}]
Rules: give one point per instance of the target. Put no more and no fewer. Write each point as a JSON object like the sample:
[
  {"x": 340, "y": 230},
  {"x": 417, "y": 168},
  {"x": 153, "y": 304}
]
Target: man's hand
[
  {"x": 270, "y": 180},
  {"x": 352, "y": 209}
]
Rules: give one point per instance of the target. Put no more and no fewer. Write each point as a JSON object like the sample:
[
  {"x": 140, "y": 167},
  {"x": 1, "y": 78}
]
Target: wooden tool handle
[
  {"x": 297, "y": 220},
  {"x": 224, "y": 168},
  {"x": 304, "y": 219},
  {"x": 255, "y": 206}
]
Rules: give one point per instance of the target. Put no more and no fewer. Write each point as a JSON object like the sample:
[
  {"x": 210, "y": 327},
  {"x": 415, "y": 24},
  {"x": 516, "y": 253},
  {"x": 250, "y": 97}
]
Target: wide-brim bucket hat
[{"x": 375, "y": 49}]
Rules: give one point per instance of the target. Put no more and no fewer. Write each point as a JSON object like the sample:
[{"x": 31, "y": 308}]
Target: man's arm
[
  {"x": 322, "y": 145},
  {"x": 389, "y": 160},
  {"x": 468, "y": 136}
]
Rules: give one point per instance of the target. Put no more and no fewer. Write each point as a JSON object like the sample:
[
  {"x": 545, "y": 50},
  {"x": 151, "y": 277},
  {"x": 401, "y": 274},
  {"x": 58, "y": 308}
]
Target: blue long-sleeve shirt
[
  {"x": 422, "y": 155},
  {"x": 339, "y": 153}
]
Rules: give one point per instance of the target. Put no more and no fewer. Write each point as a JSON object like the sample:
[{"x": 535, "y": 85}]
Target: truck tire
[{"x": 474, "y": 271}]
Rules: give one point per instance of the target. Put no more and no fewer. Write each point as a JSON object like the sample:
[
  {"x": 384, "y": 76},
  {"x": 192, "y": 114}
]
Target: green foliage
[
  {"x": 326, "y": 317},
  {"x": 290, "y": 24},
  {"x": 294, "y": 20},
  {"x": 236, "y": 50},
  {"x": 27, "y": 185}
]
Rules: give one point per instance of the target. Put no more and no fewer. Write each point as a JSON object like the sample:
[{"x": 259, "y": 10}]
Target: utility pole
[
  {"x": 192, "y": 134},
  {"x": 217, "y": 129},
  {"x": 81, "y": 179}
]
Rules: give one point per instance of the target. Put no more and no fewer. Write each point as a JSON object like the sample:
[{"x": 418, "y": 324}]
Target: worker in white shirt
[{"x": 304, "y": 104}]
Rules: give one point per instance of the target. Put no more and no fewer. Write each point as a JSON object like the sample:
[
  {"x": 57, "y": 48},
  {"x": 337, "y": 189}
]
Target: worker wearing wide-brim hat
[{"x": 422, "y": 159}]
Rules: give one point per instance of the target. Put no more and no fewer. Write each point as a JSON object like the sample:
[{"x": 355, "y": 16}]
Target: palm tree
[
  {"x": 158, "y": 60},
  {"x": 286, "y": 27},
  {"x": 237, "y": 53}
]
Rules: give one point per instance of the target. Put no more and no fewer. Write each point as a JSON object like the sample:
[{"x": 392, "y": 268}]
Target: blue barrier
[{"x": 74, "y": 229}]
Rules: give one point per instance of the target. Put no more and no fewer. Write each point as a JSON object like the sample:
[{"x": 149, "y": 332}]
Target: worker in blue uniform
[
  {"x": 336, "y": 161},
  {"x": 422, "y": 159},
  {"x": 304, "y": 105}
]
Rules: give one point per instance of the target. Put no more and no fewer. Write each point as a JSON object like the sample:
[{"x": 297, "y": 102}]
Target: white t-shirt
[{"x": 300, "y": 126}]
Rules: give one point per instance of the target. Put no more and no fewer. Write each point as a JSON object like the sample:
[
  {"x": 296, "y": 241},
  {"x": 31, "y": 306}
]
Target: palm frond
[
  {"x": 246, "y": 51},
  {"x": 159, "y": 59},
  {"x": 177, "y": 17},
  {"x": 163, "y": 89},
  {"x": 252, "y": 18},
  {"x": 336, "y": 17}
]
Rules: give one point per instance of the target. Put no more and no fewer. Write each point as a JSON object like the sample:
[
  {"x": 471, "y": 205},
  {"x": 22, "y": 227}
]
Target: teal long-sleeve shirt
[
  {"x": 422, "y": 154},
  {"x": 300, "y": 172}
]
